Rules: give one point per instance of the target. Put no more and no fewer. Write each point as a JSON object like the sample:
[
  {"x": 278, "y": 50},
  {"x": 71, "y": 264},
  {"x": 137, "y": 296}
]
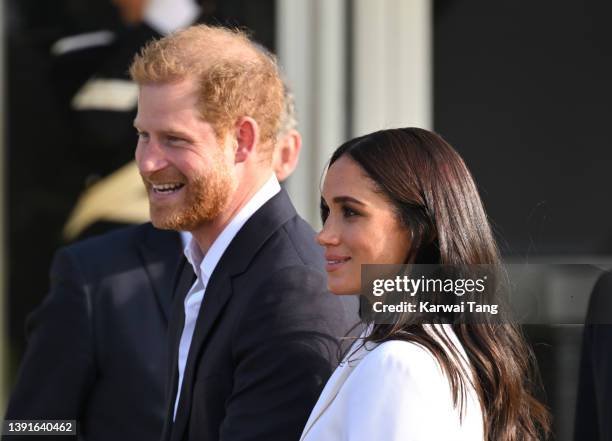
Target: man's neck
[{"x": 207, "y": 232}]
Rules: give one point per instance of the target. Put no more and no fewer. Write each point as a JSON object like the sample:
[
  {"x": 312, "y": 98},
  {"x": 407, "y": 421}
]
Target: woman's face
[{"x": 360, "y": 226}]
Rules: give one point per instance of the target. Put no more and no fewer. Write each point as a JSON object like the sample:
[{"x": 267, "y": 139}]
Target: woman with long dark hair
[{"x": 406, "y": 196}]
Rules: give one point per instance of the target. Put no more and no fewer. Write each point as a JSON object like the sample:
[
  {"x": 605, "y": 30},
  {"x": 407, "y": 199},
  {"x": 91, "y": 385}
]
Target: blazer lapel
[
  {"x": 235, "y": 260},
  {"x": 182, "y": 284},
  {"x": 185, "y": 281},
  {"x": 216, "y": 296},
  {"x": 334, "y": 384},
  {"x": 160, "y": 252}
]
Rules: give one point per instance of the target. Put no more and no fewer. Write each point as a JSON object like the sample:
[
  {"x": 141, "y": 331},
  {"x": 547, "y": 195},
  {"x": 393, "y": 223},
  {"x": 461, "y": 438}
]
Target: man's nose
[{"x": 150, "y": 157}]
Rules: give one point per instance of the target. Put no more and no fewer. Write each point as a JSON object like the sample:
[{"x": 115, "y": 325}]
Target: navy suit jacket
[
  {"x": 97, "y": 349},
  {"x": 266, "y": 337},
  {"x": 594, "y": 401}
]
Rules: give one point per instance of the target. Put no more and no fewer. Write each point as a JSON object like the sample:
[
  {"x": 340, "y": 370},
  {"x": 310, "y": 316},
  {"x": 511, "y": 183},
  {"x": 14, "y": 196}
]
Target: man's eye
[{"x": 142, "y": 135}]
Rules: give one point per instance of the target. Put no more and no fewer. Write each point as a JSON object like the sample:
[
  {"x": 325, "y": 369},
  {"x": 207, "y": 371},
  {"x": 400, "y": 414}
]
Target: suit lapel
[
  {"x": 183, "y": 281},
  {"x": 333, "y": 386},
  {"x": 160, "y": 252},
  {"x": 235, "y": 260},
  {"x": 216, "y": 296}
]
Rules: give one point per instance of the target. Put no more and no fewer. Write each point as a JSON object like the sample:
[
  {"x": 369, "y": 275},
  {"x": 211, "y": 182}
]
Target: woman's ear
[{"x": 424, "y": 247}]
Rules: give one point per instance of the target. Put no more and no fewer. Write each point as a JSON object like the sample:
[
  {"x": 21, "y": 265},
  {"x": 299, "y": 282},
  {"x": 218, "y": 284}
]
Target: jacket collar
[
  {"x": 160, "y": 252},
  {"x": 336, "y": 381}
]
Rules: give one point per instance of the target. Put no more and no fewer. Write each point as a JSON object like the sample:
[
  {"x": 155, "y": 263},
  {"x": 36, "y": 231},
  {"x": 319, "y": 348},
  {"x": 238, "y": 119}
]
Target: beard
[{"x": 204, "y": 198}]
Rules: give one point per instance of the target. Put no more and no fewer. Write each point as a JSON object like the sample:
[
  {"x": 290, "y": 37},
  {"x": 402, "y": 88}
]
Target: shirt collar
[
  {"x": 204, "y": 265},
  {"x": 185, "y": 238}
]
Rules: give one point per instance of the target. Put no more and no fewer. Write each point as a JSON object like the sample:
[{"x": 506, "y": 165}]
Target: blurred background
[{"x": 521, "y": 89}]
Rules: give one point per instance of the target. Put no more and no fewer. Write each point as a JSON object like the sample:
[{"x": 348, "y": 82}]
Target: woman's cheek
[{"x": 355, "y": 236}]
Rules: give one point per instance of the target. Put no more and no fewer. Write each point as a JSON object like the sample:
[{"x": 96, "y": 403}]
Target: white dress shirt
[
  {"x": 185, "y": 238},
  {"x": 204, "y": 265}
]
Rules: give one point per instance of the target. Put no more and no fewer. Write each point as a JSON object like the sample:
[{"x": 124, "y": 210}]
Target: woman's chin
[{"x": 342, "y": 290}]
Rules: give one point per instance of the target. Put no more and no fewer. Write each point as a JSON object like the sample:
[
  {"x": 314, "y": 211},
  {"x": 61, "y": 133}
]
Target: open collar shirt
[{"x": 204, "y": 265}]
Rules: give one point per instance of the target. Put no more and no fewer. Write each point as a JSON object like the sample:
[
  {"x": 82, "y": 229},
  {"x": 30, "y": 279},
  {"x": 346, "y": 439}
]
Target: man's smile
[{"x": 167, "y": 188}]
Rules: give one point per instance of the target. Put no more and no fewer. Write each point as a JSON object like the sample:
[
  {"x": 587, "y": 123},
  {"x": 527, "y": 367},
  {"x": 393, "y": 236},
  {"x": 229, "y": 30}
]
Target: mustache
[{"x": 164, "y": 176}]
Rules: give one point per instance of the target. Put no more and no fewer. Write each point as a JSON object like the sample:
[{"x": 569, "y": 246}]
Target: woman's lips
[{"x": 334, "y": 263}]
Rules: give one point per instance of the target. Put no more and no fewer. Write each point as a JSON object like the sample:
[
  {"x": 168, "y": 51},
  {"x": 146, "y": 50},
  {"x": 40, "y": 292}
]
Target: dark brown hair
[{"x": 434, "y": 194}]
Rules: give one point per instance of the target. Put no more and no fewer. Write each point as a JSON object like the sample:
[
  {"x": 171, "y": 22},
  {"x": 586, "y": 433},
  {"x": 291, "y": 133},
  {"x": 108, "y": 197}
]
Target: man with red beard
[
  {"x": 253, "y": 337},
  {"x": 96, "y": 345}
]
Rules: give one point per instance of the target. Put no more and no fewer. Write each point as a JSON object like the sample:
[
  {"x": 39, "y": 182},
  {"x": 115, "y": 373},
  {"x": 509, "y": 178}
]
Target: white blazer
[{"x": 393, "y": 391}]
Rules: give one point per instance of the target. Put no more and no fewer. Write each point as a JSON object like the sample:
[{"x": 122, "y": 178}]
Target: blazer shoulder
[
  {"x": 120, "y": 238},
  {"x": 603, "y": 286},
  {"x": 115, "y": 251},
  {"x": 300, "y": 239},
  {"x": 412, "y": 374},
  {"x": 402, "y": 357},
  {"x": 600, "y": 301}
]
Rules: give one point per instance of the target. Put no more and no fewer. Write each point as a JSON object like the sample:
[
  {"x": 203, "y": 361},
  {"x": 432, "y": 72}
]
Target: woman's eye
[
  {"x": 349, "y": 212},
  {"x": 324, "y": 213}
]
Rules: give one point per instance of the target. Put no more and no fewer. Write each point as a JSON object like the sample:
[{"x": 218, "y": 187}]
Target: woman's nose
[{"x": 328, "y": 235}]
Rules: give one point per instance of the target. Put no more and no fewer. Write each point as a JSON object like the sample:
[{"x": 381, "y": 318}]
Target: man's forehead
[
  {"x": 179, "y": 87},
  {"x": 164, "y": 98}
]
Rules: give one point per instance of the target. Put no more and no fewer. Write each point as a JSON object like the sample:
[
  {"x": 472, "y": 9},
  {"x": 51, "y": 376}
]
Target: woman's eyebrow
[{"x": 341, "y": 199}]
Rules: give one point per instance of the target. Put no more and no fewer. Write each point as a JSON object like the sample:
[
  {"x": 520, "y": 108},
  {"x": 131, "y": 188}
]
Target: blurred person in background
[
  {"x": 71, "y": 106},
  {"x": 97, "y": 346},
  {"x": 63, "y": 135},
  {"x": 594, "y": 401}
]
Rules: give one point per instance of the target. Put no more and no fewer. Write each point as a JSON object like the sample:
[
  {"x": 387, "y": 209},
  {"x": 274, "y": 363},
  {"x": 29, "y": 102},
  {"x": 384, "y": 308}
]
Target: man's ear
[{"x": 247, "y": 138}]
